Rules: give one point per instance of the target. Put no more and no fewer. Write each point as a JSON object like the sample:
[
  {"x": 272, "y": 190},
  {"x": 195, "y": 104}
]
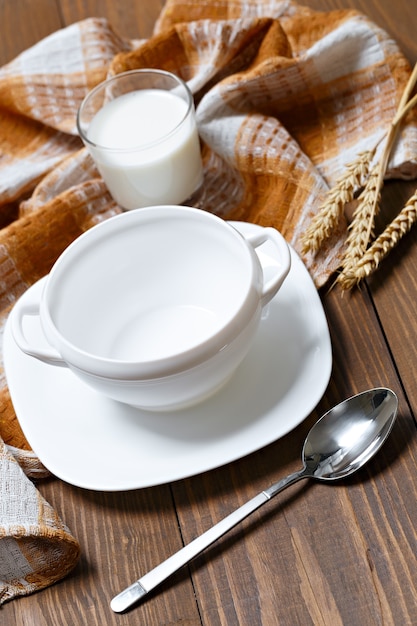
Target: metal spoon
[{"x": 339, "y": 443}]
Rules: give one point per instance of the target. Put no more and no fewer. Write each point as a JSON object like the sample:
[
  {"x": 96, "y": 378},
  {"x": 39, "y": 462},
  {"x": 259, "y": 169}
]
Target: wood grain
[
  {"x": 293, "y": 533},
  {"x": 21, "y": 28},
  {"x": 317, "y": 554},
  {"x": 133, "y": 20}
]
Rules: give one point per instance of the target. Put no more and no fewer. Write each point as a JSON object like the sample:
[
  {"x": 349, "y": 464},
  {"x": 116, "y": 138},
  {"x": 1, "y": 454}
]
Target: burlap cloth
[{"x": 285, "y": 97}]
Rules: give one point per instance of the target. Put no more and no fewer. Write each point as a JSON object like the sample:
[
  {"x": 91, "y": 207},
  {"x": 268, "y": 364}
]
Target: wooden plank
[
  {"x": 394, "y": 290},
  {"x": 134, "y": 20},
  {"x": 26, "y": 24},
  {"x": 122, "y": 535}
]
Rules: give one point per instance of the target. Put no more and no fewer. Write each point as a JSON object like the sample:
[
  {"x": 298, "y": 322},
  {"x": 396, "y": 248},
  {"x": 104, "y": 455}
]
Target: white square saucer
[{"x": 95, "y": 443}]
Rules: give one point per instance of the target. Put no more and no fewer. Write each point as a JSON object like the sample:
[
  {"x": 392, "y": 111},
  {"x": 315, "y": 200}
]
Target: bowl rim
[{"x": 172, "y": 364}]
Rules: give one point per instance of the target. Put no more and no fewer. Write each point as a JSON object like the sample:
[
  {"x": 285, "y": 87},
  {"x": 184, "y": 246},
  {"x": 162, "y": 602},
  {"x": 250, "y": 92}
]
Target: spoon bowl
[
  {"x": 338, "y": 444},
  {"x": 348, "y": 435}
]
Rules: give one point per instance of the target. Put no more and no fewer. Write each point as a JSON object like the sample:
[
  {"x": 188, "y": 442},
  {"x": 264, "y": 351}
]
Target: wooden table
[{"x": 318, "y": 554}]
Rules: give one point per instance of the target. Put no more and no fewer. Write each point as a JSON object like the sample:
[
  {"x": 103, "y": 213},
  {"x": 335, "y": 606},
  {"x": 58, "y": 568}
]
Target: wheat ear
[
  {"x": 387, "y": 240},
  {"x": 330, "y": 212},
  {"x": 357, "y": 239}
]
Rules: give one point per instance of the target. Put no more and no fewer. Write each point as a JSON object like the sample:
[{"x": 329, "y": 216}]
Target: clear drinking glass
[{"x": 140, "y": 129}]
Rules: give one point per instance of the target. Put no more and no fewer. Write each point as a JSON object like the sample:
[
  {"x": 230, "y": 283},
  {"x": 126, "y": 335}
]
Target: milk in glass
[{"x": 146, "y": 147}]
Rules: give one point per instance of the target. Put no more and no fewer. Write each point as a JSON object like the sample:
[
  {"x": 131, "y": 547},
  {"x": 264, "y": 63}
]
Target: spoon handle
[{"x": 139, "y": 589}]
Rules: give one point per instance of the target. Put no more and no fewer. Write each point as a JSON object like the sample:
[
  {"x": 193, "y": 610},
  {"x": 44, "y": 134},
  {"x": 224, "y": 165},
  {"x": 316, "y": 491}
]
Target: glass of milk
[{"x": 140, "y": 129}]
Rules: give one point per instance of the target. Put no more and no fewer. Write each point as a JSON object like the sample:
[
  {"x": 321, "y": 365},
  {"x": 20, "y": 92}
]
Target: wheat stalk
[
  {"x": 405, "y": 104},
  {"x": 343, "y": 192},
  {"x": 403, "y": 107}
]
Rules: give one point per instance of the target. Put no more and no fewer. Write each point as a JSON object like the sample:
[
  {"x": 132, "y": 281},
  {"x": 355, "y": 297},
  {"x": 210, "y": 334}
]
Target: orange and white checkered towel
[{"x": 285, "y": 98}]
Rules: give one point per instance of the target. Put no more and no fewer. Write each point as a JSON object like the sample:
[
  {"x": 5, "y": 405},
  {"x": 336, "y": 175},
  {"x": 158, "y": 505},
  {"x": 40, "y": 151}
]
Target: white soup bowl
[{"x": 155, "y": 307}]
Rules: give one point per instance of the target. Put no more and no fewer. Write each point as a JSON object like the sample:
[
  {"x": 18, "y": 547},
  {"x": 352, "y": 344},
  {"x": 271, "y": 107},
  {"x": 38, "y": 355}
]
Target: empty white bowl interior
[{"x": 138, "y": 290}]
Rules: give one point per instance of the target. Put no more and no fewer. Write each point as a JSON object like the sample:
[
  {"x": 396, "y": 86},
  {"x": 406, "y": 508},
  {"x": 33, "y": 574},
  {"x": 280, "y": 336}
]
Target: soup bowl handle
[
  {"x": 273, "y": 284},
  {"x": 28, "y": 306}
]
